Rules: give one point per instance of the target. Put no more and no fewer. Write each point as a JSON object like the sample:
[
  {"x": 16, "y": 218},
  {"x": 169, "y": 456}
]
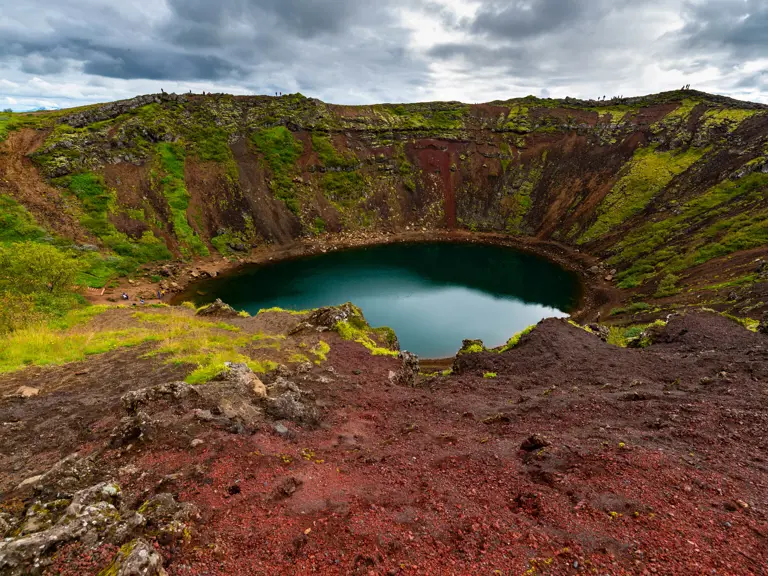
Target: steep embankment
[{"x": 668, "y": 189}]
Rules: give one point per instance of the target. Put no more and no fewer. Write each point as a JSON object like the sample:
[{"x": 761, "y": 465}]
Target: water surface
[{"x": 432, "y": 294}]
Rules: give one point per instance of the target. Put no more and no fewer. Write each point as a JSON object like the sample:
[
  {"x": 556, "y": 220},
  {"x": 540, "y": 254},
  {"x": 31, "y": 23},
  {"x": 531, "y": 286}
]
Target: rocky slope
[{"x": 669, "y": 189}]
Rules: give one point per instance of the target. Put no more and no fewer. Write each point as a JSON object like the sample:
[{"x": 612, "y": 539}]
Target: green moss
[
  {"x": 329, "y": 156},
  {"x": 515, "y": 340},
  {"x": 172, "y": 157},
  {"x": 357, "y": 329},
  {"x": 729, "y": 117},
  {"x": 748, "y": 279},
  {"x": 281, "y": 152},
  {"x": 631, "y": 309},
  {"x": 489, "y": 375},
  {"x": 667, "y": 286},
  {"x": 472, "y": 349},
  {"x": 344, "y": 188},
  {"x": 318, "y": 226},
  {"x": 97, "y": 202},
  {"x": 223, "y": 241},
  {"x": 518, "y": 120},
  {"x": 647, "y": 174},
  {"x": 320, "y": 351}
]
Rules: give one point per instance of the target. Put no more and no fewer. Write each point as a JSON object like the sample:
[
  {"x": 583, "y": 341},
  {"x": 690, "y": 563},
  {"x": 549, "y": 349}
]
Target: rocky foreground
[{"x": 562, "y": 455}]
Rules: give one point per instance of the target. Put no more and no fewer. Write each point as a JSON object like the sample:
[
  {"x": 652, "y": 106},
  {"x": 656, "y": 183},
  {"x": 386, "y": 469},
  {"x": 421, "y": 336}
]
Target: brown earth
[
  {"x": 20, "y": 179},
  {"x": 647, "y": 461}
]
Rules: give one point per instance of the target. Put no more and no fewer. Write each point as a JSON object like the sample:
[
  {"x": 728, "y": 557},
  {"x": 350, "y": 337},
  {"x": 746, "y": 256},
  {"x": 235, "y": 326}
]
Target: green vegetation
[
  {"x": 320, "y": 351},
  {"x": 357, "y": 329},
  {"x": 518, "y": 120},
  {"x": 16, "y": 223},
  {"x": 343, "y": 187},
  {"x": 489, "y": 375},
  {"x": 36, "y": 284},
  {"x": 180, "y": 338},
  {"x": 515, "y": 340},
  {"x": 622, "y": 335},
  {"x": 329, "y": 156},
  {"x": 519, "y": 202},
  {"x": 436, "y": 116},
  {"x": 667, "y": 286},
  {"x": 171, "y": 158},
  {"x": 647, "y": 174},
  {"x": 631, "y": 309},
  {"x": 651, "y": 248},
  {"x": 729, "y": 117},
  {"x": 281, "y": 152},
  {"x": 97, "y": 202}
]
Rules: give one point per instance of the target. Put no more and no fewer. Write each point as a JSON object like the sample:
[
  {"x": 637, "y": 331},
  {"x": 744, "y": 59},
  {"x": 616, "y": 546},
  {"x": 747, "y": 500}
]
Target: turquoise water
[{"x": 432, "y": 294}]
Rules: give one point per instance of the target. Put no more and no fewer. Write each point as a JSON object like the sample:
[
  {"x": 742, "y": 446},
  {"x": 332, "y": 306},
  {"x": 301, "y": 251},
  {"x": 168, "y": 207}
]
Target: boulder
[
  {"x": 137, "y": 558},
  {"x": 134, "y": 399},
  {"x": 92, "y": 517},
  {"x": 600, "y": 331},
  {"x": 219, "y": 309},
  {"x": 408, "y": 373},
  {"x": 286, "y": 401},
  {"x": 326, "y": 318},
  {"x": 134, "y": 428}
]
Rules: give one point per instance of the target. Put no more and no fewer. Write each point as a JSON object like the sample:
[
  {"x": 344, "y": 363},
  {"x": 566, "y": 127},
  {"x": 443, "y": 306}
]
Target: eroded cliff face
[{"x": 657, "y": 186}]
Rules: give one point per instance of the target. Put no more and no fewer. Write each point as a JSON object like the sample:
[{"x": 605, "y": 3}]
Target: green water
[{"x": 432, "y": 294}]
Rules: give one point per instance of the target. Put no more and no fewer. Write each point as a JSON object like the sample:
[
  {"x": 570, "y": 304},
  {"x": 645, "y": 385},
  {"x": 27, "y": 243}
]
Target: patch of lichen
[{"x": 646, "y": 175}]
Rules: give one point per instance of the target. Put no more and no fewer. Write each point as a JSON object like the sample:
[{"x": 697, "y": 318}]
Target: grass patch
[
  {"x": 281, "y": 152},
  {"x": 357, "y": 329},
  {"x": 172, "y": 158},
  {"x": 329, "y": 156},
  {"x": 631, "y": 309},
  {"x": 320, "y": 351},
  {"x": 647, "y": 174},
  {"x": 181, "y": 339},
  {"x": 680, "y": 241}
]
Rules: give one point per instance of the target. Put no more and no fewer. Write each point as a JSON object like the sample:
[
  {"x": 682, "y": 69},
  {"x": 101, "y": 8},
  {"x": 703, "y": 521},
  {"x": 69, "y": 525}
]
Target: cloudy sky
[{"x": 60, "y": 53}]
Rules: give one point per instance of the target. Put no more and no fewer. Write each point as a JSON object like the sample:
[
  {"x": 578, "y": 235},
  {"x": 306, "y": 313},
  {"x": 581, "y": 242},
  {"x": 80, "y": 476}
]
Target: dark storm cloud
[
  {"x": 228, "y": 40},
  {"x": 740, "y": 28},
  {"x": 524, "y": 18}
]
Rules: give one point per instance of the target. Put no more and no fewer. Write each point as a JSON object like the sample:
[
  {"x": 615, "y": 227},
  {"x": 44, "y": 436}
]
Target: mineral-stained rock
[
  {"x": 408, "y": 373},
  {"x": 218, "y": 308}
]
